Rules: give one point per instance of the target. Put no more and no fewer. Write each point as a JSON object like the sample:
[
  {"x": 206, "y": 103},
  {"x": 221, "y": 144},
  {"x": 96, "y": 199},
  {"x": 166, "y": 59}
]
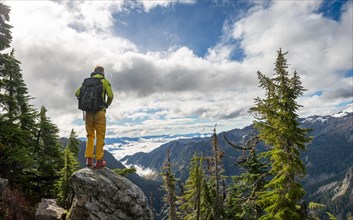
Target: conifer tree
[
  {"x": 73, "y": 143},
  {"x": 216, "y": 183},
  {"x": 49, "y": 155},
  {"x": 5, "y": 27},
  {"x": 169, "y": 182},
  {"x": 17, "y": 117},
  {"x": 207, "y": 199},
  {"x": 242, "y": 202},
  {"x": 71, "y": 165},
  {"x": 14, "y": 98},
  {"x": 277, "y": 122},
  {"x": 190, "y": 202},
  {"x": 15, "y": 159},
  {"x": 125, "y": 172}
]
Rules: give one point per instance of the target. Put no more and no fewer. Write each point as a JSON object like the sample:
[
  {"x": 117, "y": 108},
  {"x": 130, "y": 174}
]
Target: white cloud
[
  {"x": 58, "y": 45},
  {"x": 93, "y": 16},
  {"x": 319, "y": 48},
  {"x": 148, "y": 4}
]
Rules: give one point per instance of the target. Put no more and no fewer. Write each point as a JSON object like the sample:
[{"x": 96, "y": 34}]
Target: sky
[{"x": 181, "y": 66}]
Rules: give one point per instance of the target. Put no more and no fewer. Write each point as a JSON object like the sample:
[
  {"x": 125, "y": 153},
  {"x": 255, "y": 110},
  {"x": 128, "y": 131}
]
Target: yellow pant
[{"x": 95, "y": 124}]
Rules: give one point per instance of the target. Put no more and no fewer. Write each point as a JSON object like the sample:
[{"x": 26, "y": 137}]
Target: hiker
[{"x": 94, "y": 96}]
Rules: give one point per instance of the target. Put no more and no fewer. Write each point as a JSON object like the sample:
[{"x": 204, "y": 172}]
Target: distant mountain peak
[
  {"x": 321, "y": 119},
  {"x": 345, "y": 112}
]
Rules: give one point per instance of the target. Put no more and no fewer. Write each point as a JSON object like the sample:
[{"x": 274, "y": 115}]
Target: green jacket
[{"x": 107, "y": 90}]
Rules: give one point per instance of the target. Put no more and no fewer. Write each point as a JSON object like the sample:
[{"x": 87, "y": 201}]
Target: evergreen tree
[
  {"x": 5, "y": 27},
  {"x": 207, "y": 199},
  {"x": 48, "y": 154},
  {"x": 277, "y": 122},
  {"x": 190, "y": 202},
  {"x": 17, "y": 117},
  {"x": 244, "y": 191},
  {"x": 15, "y": 159},
  {"x": 73, "y": 143},
  {"x": 169, "y": 182},
  {"x": 71, "y": 165},
  {"x": 125, "y": 172},
  {"x": 216, "y": 183}
]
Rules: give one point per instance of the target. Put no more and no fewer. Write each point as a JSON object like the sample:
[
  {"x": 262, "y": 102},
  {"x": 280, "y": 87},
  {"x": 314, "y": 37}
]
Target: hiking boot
[
  {"x": 100, "y": 164},
  {"x": 89, "y": 162}
]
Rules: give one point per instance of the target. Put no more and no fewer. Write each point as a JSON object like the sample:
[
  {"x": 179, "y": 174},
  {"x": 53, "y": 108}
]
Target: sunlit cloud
[{"x": 177, "y": 90}]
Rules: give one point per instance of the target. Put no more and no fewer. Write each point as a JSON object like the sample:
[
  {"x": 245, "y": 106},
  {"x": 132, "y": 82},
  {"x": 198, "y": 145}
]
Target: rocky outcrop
[
  {"x": 48, "y": 210},
  {"x": 102, "y": 194},
  {"x": 345, "y": 187}
]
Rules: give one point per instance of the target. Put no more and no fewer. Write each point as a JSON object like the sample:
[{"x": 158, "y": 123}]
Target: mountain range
[{"x": 328, "y": 160}]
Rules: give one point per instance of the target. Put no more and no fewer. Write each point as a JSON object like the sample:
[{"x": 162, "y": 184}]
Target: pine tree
[
  {"x": 48, "y": 155},
  {"x": 71, "y": 165},
  {"x": 190, "y": 202},
  {"x": 169, "y": 182},
  {"x": 17, "y": 117},
  {"x": 277, "y": 122},
  {"x": 125, "y": 172},
  {"x": 216, "y": 183},
  {"x": 207, "y": 199},
  {"x": 15, "y": 159},
  {"x": 5, "y": 27},
  {"x": 244, "y": 191},
  {"x": 73, "y": 143}
]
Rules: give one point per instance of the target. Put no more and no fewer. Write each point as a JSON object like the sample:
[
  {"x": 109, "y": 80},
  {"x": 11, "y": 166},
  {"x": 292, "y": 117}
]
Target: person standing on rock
[{"x": 94, "y": 97}]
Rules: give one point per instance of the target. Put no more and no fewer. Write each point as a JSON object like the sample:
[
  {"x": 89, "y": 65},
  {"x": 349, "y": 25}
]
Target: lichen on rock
[{"x": 102, "y": 194}]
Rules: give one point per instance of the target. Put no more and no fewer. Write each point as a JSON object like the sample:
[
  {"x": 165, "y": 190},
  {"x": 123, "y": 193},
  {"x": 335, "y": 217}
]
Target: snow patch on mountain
[
  {"x": 315, "y": 118},
  {"x": 345, "y": 112},
  {"x": 321, "y": 119}
]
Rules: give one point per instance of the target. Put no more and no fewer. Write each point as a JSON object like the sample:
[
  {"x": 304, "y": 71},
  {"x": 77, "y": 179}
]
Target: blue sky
[
  {"x": 332, "y": 9},
  {"x": 198, "y": 26},
  {"x": 181, "y": 66}
]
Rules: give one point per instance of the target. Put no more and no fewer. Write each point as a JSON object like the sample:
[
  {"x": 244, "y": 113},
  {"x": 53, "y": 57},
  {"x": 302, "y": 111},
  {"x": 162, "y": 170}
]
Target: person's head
[{"x": 99, "y": 69}]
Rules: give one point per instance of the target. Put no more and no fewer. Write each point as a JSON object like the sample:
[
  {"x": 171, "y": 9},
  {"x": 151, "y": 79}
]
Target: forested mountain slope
[{"x": 328, "y": 158}]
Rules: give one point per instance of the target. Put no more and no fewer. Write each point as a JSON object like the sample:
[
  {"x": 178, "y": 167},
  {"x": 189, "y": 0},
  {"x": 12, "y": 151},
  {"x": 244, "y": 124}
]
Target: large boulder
[
  {"x": 102, "y": 194},
  {"x": 49, "y": 210}
]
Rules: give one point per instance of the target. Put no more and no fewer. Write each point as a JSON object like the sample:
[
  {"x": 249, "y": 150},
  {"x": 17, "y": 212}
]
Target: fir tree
[
  {"x": 125, "y": 172},
  {"x": 71, "y": 165},
  {"x": 207, "y": 199},
  {"x": 169, "y": 182},
  {"x": 17, "y": 117},
  {"x": 190, "y": 202},
  {"x": 15, "y": 159},
  {"x": 216, "y": 182},
  {"x": 244, "y": 191},
  {"x": 5, "y": 27},
  {"x": 49, "y": 155},
  {"x": 277, "y": 122},
  {"x": 73, "y": 143}
]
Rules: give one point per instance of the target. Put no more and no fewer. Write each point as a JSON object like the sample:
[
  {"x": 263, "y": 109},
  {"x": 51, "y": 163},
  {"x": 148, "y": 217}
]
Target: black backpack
[{"x": 91, "y": 98}]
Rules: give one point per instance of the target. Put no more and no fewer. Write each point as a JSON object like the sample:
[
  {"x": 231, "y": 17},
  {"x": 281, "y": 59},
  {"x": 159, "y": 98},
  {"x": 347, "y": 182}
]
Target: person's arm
[
  {"x": 77, "y": 93},
  {"x": 109, "y": 92}
]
